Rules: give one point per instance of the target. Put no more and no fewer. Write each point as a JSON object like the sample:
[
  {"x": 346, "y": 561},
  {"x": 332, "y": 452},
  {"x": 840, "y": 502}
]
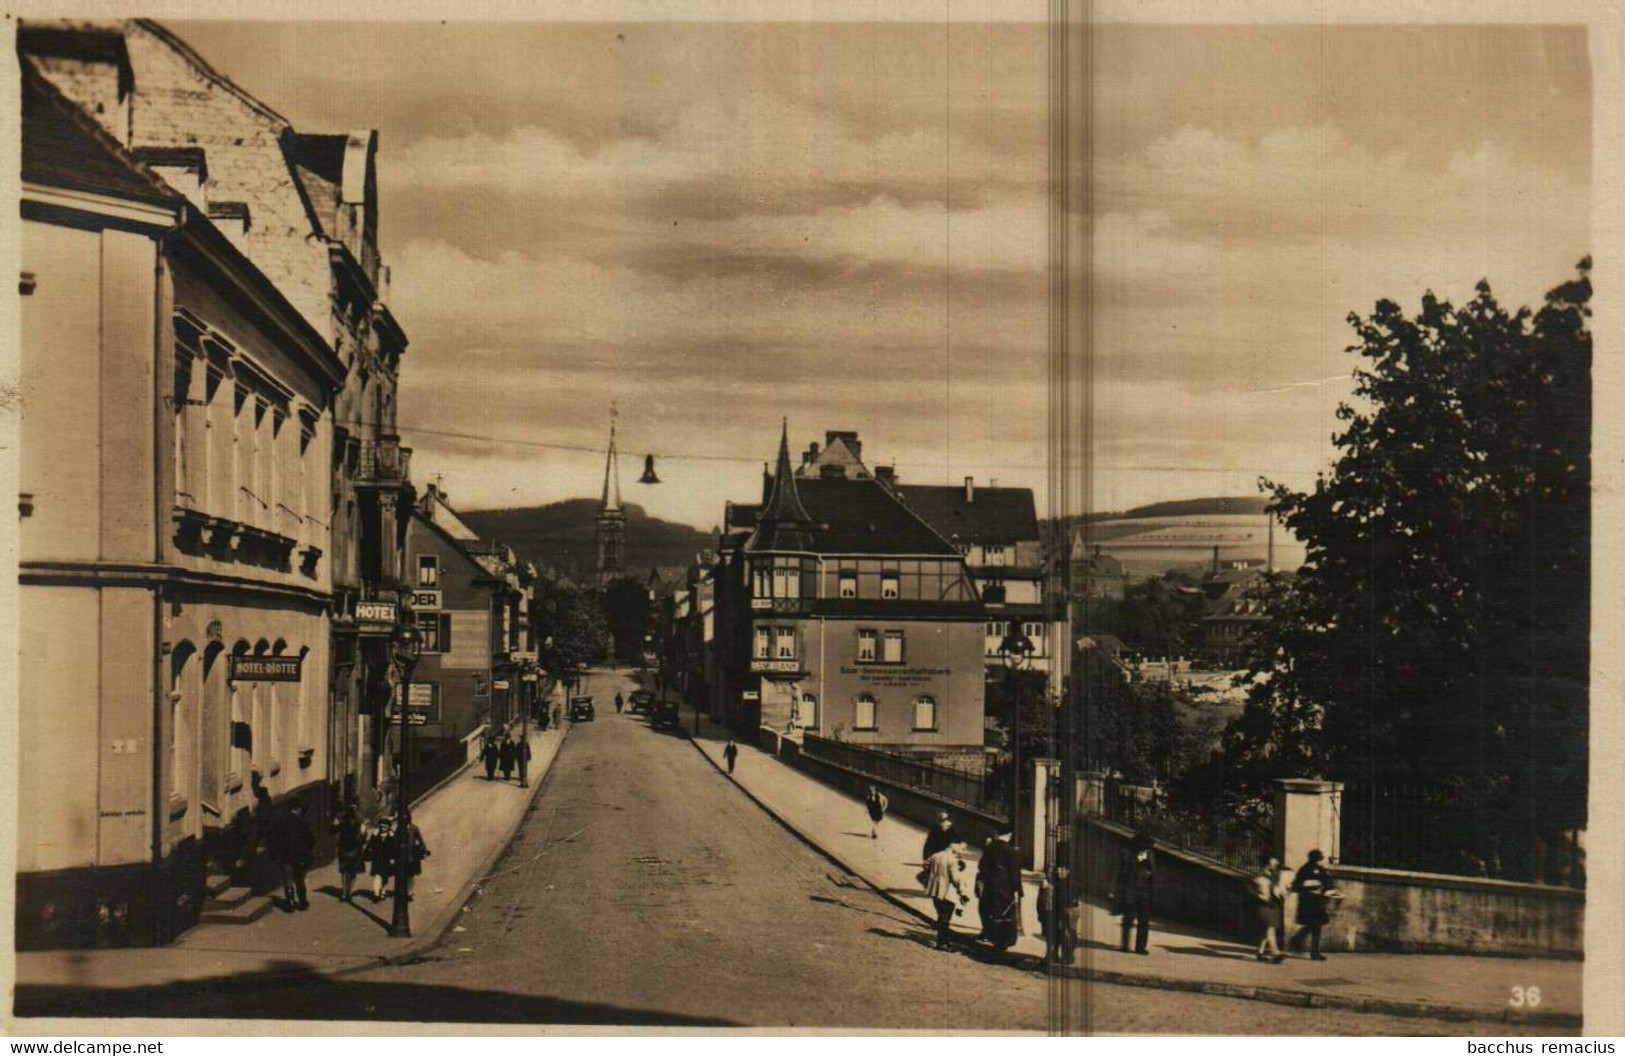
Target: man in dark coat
[
  {"x": 351, "y": 838},
  {"x": 942, "y": 835},
  {"x": 731, "y": 753},
  {"x": 490, "y": 755},
  {"x": 508, "y": 758},
  {"x": 998, "y": 889},
  {"x": 620, "y": 702},
  {"x": 1136, "y": 888},
  {"x": 417, "y": 850},
  {"x": 294, "y": 845}
]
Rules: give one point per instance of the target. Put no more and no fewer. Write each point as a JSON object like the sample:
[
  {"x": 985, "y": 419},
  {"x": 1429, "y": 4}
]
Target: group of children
[{"x": 377, "y": 847}]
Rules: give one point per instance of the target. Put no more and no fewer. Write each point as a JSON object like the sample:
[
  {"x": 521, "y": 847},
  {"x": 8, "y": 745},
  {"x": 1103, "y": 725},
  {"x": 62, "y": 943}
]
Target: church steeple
[
  {"x": 611, "y": 518},
  {"x": 611, "y": 500},
  {"x": 784, "y": 505}
]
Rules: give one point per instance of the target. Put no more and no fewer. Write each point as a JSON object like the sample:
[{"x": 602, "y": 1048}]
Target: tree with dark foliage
[{"x": 1437, "y": 635}]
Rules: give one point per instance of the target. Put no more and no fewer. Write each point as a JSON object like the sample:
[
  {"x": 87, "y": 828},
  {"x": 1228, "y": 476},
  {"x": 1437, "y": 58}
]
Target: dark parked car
[
  {"x": 666, "y": 715},
  {"x": 641, "y": 700},
  {"x": 581, "y": 709}
]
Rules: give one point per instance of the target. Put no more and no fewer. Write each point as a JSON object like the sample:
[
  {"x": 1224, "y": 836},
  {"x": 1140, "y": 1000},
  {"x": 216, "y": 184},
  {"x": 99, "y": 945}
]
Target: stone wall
[{"x": 1389, "y": 909}]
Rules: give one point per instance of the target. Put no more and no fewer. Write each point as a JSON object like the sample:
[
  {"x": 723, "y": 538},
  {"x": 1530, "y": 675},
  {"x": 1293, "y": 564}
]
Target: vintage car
[
  {"x": 665, "y": 715},
  {"x": 581, "y": 709},
  {"x": 641, "y": 700}
]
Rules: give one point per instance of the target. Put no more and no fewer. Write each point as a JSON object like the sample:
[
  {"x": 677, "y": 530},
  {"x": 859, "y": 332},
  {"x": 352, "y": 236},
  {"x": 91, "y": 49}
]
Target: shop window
[
  {"x": 866, "y": 647},
  {"x": 863, "y": 716},
  {"x": 925, "y": 714}
]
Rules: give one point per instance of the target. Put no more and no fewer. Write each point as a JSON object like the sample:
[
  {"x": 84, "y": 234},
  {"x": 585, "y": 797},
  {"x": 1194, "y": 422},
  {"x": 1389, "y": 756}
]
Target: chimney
[
  {"x": 970, "y": 489},
  {"x": 886, "y": 475},
  {"x": 767, "y": 484}
]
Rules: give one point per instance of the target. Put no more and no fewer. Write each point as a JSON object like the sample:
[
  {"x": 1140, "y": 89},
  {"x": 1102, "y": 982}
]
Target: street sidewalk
[
  {"x": 466, "y": 824},
  {"x": 1183, "y": 958}
]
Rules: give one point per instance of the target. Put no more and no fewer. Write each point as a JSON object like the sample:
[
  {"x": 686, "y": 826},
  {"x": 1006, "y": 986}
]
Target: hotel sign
[
  {"x": 375, "y": 617},
  {"x": 265, "y": 668}
]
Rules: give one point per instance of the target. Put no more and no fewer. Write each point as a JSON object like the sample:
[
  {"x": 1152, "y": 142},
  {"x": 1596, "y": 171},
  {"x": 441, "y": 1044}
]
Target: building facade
[
  {"x": 174, "y": 591},
  {"x": 851, "y": 618},
  {"x": 471, "y": 600}
]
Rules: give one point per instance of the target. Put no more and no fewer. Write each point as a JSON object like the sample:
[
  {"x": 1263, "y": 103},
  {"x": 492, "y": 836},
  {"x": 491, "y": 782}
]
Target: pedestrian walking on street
[
  {"x": 1136, "y": 890},
  {"x": 541, "y": 719},
  {"x": 876, "y": 805},
  {"x": 490, "y": 755},
  {"x": 1055, "y": 901},
  {"x": 1313, "y": 886},
  {"x": 1267, "y": 894},
  {"x": 998, "y": 887},
  {"x": 731, "y": 753},
  {"x": 943, "y": 884},
  {"x": 618, "y": 703},
  {"x": 413, "y": 865},
  {"x": 941, "y": 835},
  {"x": 294, "y": 845},
  {"x": 558, "y": 716},
  {"x": 380, "y": 851},
  {"x": 351, "y": 840},
  {"x": 507, "y": 757}
]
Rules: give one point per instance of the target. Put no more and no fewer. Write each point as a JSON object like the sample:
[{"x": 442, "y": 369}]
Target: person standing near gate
[
  {"x": 876, "y": 804},
  {"x": 1313, "y": 886},
  {"x": 998, "y": 888},
  {"x": 1136, "y": 888}
]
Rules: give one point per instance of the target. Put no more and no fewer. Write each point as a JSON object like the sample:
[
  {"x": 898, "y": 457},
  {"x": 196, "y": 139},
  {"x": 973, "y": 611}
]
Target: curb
[
  {"x": 438, "y": 928},
  {"x": 1274, "y": 995}
]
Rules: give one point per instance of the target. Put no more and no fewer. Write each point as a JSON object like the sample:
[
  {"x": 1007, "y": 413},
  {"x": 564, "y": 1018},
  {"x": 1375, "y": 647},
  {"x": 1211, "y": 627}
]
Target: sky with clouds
[{"x": 718, "y": 226}]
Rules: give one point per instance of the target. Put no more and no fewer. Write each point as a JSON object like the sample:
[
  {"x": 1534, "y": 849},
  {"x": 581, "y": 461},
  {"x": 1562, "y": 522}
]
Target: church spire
[
  {"x": 784, "y": 505},
  {"x": 611, "y": 501}
]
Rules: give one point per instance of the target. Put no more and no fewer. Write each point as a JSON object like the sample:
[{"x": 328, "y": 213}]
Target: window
[
  {"x": 761, "y": 586},
  {"x": 436, "y": 630},
  {"x": 863, "y": 717},
  {"x": 925, "y": 713},
  {"x": 997, "y": 629},
  {"x": 764, "y": 639},
  {"x": 995, "y": 555},
  {"x": 787, "y": 581},
  {"x": 866, "y": 647},
  {"x": 785, "y": 637},
  {"x": 849, "y": 585},
  {"x": 893, "y": 652},
  {"x": 1035, "y": 634},
  {"x": 807, "y": 712},
  {"x": 889, "y": 585},
  {"x": 428, "y": 571}
]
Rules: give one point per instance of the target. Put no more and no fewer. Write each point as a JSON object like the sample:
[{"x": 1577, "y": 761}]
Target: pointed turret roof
[
  {"x": 784, "y": 505},
  {"x": 611, "y": 501}
]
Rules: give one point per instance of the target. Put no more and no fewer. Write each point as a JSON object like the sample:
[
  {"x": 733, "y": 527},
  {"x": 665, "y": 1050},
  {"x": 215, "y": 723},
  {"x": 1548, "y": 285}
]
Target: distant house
[
  {"x": 1096, "y": 575},
  {"x": 1240, "y": 610}
]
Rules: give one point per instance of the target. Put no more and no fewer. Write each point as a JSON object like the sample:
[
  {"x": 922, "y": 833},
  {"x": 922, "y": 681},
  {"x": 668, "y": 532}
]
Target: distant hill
[
  {"x": 1184, "y": 534},
  {"x": 564, "y": 535},
  {"x": 1246, "y": 504}
]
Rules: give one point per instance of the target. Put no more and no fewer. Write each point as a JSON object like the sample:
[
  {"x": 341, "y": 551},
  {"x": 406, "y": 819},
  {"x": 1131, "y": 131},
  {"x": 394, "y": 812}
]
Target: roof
[
  {"x": 996, "y": 516},
  {"x": 851, "y": 516},
  {"x": 64, "y": 147}
]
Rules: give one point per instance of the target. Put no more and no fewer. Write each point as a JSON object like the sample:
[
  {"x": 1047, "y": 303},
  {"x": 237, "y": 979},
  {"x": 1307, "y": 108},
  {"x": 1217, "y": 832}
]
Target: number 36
[{"x": 1525, "y": 997}]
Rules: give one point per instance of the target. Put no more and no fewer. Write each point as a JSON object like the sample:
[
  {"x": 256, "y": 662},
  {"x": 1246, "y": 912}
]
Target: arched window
[
  {"x": 242, "y": 723},
  {"x": 807, "y": 712},
  {"x": 215, "y": 727},
  {"x": 925, "y": 713},
  {"x": 864, "y": 717}
]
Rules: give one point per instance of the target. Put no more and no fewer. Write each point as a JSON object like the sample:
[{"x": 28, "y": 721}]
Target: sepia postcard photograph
[{"x": 1031, "y": 517}]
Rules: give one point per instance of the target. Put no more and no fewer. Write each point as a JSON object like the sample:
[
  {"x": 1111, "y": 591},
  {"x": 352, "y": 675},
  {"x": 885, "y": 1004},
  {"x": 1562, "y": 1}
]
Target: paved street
[{"x": 644, "y": 888}]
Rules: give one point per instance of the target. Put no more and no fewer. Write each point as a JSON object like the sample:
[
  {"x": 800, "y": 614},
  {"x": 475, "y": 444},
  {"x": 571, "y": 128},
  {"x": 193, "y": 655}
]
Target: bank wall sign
[{"x": 265, "y": 668}]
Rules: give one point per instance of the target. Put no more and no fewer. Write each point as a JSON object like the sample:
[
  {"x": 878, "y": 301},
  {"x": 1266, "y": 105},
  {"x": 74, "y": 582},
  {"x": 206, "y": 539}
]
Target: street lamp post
[
  {"x": 408, "y": 647},
  {"x": 1016, "y": 652},
  {"x": 528, "y": 702}
]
